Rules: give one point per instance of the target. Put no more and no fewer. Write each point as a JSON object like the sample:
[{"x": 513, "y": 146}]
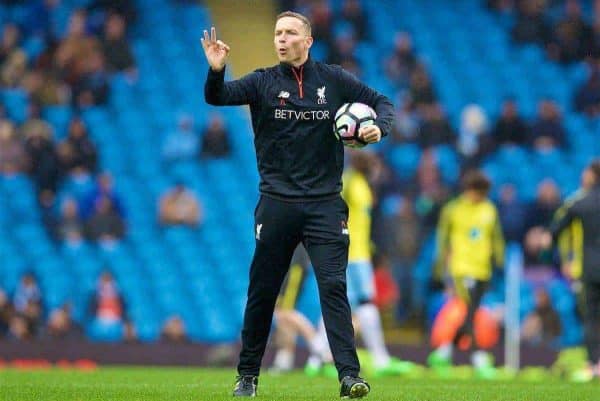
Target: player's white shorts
[{"x": 360, "y": 282}]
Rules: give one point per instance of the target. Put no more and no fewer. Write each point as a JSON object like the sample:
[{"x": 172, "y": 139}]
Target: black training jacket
[
  {"x": 584, "y": 207},
  {"x": 299, "y": 158}
]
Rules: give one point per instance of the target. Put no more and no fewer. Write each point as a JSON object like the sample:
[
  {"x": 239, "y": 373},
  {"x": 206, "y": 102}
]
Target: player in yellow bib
[
  {"x": 359, "y": 275},
  {"x": 469, "y": 245}
]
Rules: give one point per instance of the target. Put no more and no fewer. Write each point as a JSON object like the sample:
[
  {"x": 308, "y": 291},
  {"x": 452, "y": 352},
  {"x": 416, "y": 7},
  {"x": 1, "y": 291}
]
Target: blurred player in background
[
  {"x": 469, "y": 245},
  {"x": 300, "y": 164},
  {"x": 361, "y": 285},
  {"x": 289, "y": 321},
  {"x": 581, "y": 215}
]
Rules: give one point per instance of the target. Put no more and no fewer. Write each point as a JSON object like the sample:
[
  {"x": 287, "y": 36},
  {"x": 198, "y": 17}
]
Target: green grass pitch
[{"x": 178, "y": 384}]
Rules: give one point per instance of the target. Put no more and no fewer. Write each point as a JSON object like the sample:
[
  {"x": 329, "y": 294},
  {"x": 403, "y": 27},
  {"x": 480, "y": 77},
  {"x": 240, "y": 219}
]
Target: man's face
[
  {"x": 291, "y": 41},
  {"x": 476, "y": 196}
]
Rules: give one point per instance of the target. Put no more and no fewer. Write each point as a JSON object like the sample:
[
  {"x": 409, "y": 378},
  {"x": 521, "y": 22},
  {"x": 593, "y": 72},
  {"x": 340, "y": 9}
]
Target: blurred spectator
[
  {"x": 18, "y": 328},
  {"x": 547, "y": 131},
  {"x": 535, "y": 255},
  {"x": 92, "y": 88},
  {"x": 403, "y": 61},
  {"x": 125, "y": 8},
  {"x": 13, "y": 61},
  {"x": 435, "y": 128},
  {"x": 542, "y": 325},
  {"x": 116, "y": 48},
  {"x": 173, "y": 331},
  {"x": 27, "y": 301},
  {"x": 570, "y": 36},
  {"x": 43, "y": 160},
  {"x": 35, "y": 125},
  {"x": 473, "y": 141},
  {"x": 77, "y": 153},
  {"x": 45, "y": 88},
  {"x": 6, "y": 311},
  {"x": 10, "y": 42},
  {"x": 46, "y": 201},
  {"x": 105, "y": 225},
  {"x": 587, "y": 97},
  {"x": 385, "y": 185},
  {"x": 406, "y": 124},
  {"x": 512, "y": 213},
  {"x": 353, "y": 12},
  {"x": 12, "y": 154},
  {"x": 61, "y": 325},
  {"x": 71, "y": 57},
  {"x": 403, "y": 237},
  {"x": 428, "y": 191},
  {"x": 403, "y": 234},
  {"x": 539, "y": 215},
  {"x": 421, "y": 91},
  {"x": 531, "y": 25},
  {"x": 181, "y": 144},
  {"x": 387, "y": 293},
  {"x": 179, "y": 206},
  {"x": 70, "y": 228},
  {"x": 320, "y": 17},
  {"x": 107, "y": 306},
  {"x": 545, "y": 205},
  {"x": 343, "y": 50},
  {"x": 215, "y": 139},
  {"x": 510, "y": 127},
  {"x": 104, "y": 189}
]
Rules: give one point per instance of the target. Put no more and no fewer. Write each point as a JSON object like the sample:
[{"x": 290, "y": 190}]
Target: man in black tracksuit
[
  {"x": 583, "y": 208},
  {"x": 300, "y": 162}
]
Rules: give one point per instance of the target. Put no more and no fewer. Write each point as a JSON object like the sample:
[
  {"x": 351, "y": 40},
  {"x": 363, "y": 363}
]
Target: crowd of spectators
[
  {"x": 567, "y": 36},
  {"x": 566, "y": 33},
  {"x": 24, "y": 318},
  {"x": 74, "y": 69},
  {"x": 69, "y": 69}
]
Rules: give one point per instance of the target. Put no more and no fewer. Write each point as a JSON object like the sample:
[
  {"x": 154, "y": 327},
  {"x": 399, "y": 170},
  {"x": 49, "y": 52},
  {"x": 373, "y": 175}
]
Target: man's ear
[{"x": 309, "y": 42}]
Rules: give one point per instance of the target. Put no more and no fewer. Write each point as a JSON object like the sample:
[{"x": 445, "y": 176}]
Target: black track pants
[{"x": 279, "y": 227}]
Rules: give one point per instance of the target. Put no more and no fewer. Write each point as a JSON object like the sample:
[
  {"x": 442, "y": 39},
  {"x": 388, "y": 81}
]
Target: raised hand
[{"x": 215, "y": 50}]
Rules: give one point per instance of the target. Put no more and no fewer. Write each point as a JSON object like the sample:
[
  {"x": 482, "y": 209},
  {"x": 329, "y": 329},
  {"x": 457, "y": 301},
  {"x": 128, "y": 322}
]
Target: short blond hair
[{"x": 299, "y": 16}]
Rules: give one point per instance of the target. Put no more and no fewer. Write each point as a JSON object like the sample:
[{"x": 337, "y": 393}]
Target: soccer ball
[{"x": 348, "y": 119}]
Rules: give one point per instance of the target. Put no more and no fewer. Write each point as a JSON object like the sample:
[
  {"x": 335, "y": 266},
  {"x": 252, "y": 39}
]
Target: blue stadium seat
[{"x": 105, "y": 333}]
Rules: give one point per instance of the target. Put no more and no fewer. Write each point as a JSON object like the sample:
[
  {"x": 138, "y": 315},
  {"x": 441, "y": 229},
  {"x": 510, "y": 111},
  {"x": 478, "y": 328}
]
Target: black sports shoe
[
  {"x": 245, "y": 386},
  {"x": 354, "y": 387}
]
